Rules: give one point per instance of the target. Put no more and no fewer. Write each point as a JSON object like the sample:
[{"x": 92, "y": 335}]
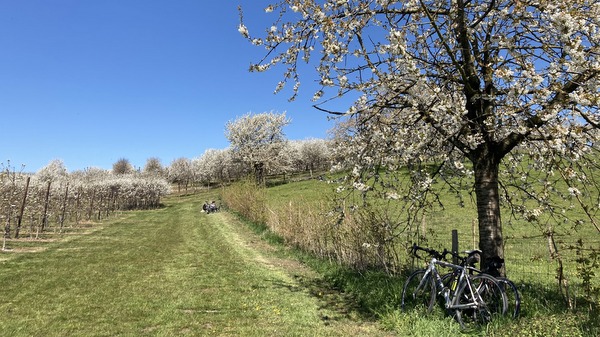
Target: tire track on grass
[{"x": 274, "y": 290}]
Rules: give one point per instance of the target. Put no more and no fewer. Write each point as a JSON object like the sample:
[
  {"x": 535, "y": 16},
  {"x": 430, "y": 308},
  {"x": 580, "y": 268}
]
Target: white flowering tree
[
  {"x": 181, "y": 173},
  {"x": 315, "y": 154},
  {"x": 257, "y": 140},
  {"x": 54, "y": 196},
  {"x": 214, "y": 166},
  {"x": 153, "y": 167},
  {"x": 55, "y": 170},
  {"x": 492, "y": 89}
]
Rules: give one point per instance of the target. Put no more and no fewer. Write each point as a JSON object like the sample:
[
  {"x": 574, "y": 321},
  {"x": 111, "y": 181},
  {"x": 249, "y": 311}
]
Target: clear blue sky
[{"x": 90, "y": 82}]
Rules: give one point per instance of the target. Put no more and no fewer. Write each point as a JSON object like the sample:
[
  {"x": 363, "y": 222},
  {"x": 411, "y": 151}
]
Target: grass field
[
  {"x": 176, "y": 271},
  {"x": 528, "y": 262},
  {"x": 169, "y": 272}
]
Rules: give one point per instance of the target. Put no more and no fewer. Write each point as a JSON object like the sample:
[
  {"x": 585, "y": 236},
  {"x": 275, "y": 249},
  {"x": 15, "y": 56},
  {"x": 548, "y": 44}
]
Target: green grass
[
  {"x": 167, "y": 272},
  {"x": 176, "y": 272},
  {"x": 544, "y": 310}
]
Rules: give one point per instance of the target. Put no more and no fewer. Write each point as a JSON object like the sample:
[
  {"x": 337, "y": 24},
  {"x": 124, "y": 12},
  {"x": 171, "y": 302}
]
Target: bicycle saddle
[{"x": 472, "y": 252}]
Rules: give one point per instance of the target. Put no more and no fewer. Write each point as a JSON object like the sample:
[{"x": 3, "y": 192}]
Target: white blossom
[{"x": 242, "y": 29}]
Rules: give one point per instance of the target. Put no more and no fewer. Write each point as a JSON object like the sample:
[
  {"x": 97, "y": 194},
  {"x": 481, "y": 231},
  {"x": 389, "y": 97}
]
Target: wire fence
[{"x": 537, "y": 259}]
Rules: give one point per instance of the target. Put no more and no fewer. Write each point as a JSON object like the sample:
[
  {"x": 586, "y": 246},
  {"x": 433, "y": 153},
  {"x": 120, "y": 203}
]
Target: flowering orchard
[
  {"x": 52, "y": 197},
  {"x": 286, "y": 157},
  {"x": 499, "y": 98}
]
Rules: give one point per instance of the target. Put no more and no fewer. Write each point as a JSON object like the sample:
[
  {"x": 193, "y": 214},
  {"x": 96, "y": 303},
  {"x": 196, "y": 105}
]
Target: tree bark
[
  {"x": 486, "y": 166},
  {"x": 259, "y": 173}
]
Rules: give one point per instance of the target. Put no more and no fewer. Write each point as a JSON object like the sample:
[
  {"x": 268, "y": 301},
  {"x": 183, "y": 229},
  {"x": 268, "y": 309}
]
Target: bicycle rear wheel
[
  {"x": 418, "y": 293},
  {"x": 512, "y": 295},
  {"x": 487, "y": 298}
]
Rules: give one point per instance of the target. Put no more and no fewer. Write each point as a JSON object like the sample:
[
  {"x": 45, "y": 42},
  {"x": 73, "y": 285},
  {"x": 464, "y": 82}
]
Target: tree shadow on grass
[{"x": 346, "y": 294}]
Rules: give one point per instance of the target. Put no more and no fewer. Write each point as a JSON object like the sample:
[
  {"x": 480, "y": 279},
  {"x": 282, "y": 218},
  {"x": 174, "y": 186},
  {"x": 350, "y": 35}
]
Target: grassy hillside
[
  {"x": 529, "y": 263},
  {"x": 176, "y": 271},
  {"x": 526, "y": 247},
  {"x": 169, "y": 272}
]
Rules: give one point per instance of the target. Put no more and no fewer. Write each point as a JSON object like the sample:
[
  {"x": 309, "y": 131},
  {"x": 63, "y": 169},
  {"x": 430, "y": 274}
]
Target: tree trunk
[
  {"x": 486, "y": 167},
  {"x": 259, "y": 173}
]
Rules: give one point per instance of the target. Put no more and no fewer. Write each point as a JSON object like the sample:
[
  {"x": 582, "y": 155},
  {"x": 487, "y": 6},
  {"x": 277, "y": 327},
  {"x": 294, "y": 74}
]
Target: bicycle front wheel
[
  {"x": 418, "y": 293},
  {"x": 483, "y": 298}
]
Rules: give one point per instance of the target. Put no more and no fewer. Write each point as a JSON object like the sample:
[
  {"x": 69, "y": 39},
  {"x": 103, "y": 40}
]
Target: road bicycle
[
  {"x": 472, "y": 299},
  {"x": 492, "y": 268}
]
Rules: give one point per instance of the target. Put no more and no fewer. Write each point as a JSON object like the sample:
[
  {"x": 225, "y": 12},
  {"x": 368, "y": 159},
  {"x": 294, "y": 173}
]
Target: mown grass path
[{"x": 167, "y": 272}]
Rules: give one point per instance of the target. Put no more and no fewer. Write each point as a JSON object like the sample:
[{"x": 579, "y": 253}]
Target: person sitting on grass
[{"x": 212, "y": 207}]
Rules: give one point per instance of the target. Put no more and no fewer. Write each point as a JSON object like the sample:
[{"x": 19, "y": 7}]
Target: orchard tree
[
  {"x": 215, "y": 166},
  {"x": 308, "y": 155},
  {"x": 153, "y": 167},
  {"x": 55, "y": 170},
  {"x": 122, "y": 166},
  {"x": 181, "y": 173},
  {"x": 256, "y": 140},
  {"x": 315, "y": 154},
  {"x": 505, "y": 91}
]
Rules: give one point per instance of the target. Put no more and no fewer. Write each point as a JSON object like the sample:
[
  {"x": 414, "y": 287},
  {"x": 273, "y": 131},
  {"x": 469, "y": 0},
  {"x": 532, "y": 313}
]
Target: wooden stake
[{"x": 22, "y": 210}]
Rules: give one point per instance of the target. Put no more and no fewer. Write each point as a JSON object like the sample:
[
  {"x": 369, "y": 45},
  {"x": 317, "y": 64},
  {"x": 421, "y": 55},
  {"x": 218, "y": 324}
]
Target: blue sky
[{"x": 90, "y": 82}]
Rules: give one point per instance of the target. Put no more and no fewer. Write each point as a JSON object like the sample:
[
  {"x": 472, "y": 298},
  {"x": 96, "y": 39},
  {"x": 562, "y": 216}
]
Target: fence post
[
  {"x": 474, "y": 230},
  {"x": 454, "y": 245},
  {"x": 423, "y": 227},
  {"x": 46, "y": 204}
]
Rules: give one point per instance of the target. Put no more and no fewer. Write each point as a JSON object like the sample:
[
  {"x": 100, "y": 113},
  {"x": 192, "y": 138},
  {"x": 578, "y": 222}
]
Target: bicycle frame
[
  {"x": 445, "y": 291},
  {"x": 472, "y": 299}
]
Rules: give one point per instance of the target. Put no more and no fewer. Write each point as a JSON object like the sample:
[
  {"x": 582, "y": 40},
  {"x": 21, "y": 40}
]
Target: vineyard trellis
[{"x": 39, "y": 200}]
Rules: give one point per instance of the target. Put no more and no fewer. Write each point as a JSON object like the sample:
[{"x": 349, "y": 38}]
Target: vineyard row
[{"x": 38, "y": 201}]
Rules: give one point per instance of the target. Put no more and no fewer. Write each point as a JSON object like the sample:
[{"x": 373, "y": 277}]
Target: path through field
[{"x": 168, "y": 272}]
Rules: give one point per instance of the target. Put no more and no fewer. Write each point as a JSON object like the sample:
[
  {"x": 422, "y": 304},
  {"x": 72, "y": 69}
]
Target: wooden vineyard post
[
  {"x": 22, "y": 210},
  {"x": 6, "y": 231},
  {"x": 77, "y": 204},
  {"x": 64, "y": 208},
  {"x": 46, "y": 204}
]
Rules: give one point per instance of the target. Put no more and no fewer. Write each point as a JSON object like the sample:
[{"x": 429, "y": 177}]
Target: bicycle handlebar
[
  {"x": 442, "y": 256},
  {"x": 432, "y": 252}
]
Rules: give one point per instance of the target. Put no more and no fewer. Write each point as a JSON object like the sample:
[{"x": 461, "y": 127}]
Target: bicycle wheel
[
  {"x": 512, "y": 295},
  {"x": 484, "y": 297},
  {"x": 418, "y": 293}
]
